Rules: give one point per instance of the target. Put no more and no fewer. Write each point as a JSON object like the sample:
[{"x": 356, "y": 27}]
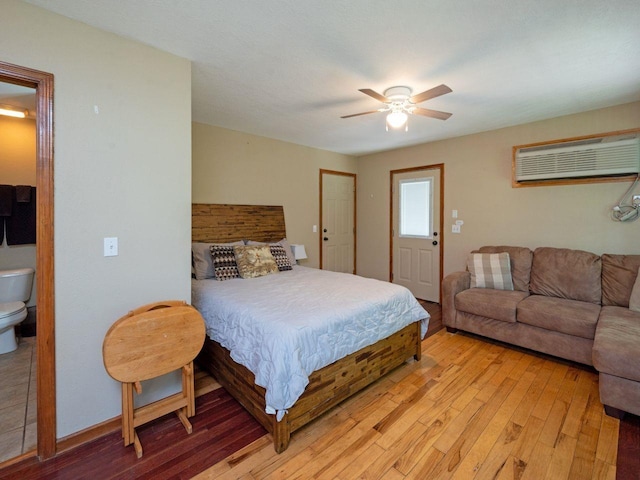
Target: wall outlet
[{"x": 455, "y": 228}]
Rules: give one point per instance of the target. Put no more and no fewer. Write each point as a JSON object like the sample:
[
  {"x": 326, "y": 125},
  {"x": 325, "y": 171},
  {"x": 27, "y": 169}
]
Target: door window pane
[{"x": 415, "y": 207}]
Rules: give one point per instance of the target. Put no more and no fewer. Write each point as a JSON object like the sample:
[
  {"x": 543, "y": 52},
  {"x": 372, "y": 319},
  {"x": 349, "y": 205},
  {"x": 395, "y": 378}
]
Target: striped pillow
[
  {"x": 490, "y": 270},
  {"x": 280, "y": 255},
  {"x": 224, "y": 262}
]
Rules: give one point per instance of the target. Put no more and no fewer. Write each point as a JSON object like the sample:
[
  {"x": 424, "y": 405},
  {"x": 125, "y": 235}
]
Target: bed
[{"x": 257, "y": 327}]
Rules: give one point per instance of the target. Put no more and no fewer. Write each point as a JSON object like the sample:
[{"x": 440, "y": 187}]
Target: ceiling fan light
[{"x": 396, "y": 119}]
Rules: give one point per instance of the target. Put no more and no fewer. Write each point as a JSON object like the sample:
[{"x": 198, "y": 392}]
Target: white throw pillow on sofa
[{"x": 490, "y": 270}]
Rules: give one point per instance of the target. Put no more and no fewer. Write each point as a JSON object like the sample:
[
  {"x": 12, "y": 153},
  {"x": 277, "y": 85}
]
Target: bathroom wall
[{"x": 18, "y": 167}]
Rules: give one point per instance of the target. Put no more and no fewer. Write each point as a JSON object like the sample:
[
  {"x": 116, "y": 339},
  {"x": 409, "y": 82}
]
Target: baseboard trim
[
  {"x": 109, "y": 426},
  {"x": 18, "y": 459},
  {"x": 88, "y": 434}
]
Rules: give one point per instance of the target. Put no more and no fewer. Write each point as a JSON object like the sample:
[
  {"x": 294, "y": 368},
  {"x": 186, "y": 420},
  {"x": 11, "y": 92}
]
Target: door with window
[
  {"x": 415, "y": 235},
  {"x": 337, "y": 222}
]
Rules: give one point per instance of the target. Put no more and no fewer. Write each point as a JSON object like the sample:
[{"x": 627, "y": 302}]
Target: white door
[
  {"x": 415, "y": 232},
  {"x": 337, "y": 229}
]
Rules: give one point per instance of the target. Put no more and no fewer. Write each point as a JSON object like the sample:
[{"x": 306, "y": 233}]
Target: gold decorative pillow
[{"x": 254, "y": 260}]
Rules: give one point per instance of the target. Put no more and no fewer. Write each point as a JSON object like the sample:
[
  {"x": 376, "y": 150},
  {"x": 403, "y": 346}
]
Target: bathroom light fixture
[{"x": 10, "y": 111}]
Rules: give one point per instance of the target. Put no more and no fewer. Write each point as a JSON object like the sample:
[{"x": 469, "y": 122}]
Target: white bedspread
[{"x": 284, "y": 326}]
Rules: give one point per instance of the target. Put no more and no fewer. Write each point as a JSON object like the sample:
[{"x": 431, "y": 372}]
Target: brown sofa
[{"x": 567, "y": 303}]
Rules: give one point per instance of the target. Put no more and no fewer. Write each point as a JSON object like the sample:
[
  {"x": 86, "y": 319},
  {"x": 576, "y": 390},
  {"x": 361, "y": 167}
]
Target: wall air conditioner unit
[{"x": 603, "y": 156}]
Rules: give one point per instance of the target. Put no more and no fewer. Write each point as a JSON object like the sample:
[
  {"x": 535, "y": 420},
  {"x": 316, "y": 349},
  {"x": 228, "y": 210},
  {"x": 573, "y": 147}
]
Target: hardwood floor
[{"x": 470, "y": 408}]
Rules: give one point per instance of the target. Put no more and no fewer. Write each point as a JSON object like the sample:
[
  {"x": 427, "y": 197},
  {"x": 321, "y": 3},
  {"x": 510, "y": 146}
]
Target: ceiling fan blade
[
  {"x": 376, "y": 95},
  {"x": 431, "y": 113},
  {"x": 358, "y": 114},
  {"x": 431, "y": 93}
]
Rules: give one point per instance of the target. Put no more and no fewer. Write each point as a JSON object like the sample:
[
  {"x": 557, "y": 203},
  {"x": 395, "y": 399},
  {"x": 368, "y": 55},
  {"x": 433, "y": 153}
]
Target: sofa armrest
[{"x": 453, "y": 284}]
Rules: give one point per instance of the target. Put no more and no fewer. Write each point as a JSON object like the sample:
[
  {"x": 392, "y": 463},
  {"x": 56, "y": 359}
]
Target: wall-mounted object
[
  {"x": 605, "y": 157},
  {"x": 11, "y": 111}
]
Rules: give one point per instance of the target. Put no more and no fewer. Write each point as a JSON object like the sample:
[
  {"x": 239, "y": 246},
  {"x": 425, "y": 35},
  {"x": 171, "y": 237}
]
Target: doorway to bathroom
[
  {"x": 42, "y": 84},
  {"x": 18, "y": 389}
]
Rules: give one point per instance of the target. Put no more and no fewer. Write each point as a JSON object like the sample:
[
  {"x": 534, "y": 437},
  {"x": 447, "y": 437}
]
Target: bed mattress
[{"x": 284, "y": 326}]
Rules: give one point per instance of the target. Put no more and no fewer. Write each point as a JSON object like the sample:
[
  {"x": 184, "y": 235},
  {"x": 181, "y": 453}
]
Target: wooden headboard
[{"x": 220, "y": 223}]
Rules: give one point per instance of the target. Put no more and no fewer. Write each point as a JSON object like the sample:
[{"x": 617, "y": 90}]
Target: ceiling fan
[{"x": 399, "y": 103}]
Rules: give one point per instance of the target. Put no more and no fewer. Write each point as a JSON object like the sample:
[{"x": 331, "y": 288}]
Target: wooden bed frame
[{"x": 328, "y": 386}]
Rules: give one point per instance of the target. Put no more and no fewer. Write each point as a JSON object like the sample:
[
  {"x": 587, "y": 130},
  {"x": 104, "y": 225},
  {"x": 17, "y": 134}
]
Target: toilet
[{"x": 15, "y": 290}]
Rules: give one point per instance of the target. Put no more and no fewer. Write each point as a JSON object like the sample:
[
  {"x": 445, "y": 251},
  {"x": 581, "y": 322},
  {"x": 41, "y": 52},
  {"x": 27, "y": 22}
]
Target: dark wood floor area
[
  {"x": 435, "y": 322},
  {"x": 220, "y": 428},
  {"x": 628, "y": 467}
]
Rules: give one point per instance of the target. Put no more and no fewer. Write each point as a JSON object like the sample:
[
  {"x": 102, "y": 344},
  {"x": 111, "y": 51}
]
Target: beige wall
[
  {"x": 18, "y": 167},
  {"x": 17, "y": 151},
  {"x": 234, "y": 167},
  {"x": 124, "y": 172},
  {"x": 478, "y": 185}
]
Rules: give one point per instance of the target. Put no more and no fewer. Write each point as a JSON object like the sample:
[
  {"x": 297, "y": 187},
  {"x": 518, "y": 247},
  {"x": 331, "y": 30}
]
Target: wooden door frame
[
  {"x": 45, "y": 339},
  {"x": 435, "y": 166},
  {"x": 355, "y": 214}
]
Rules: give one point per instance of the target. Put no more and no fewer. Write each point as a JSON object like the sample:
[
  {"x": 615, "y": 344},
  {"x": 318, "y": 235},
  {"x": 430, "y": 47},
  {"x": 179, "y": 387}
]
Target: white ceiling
[
  {"x": 288, "y": 69},
  {"x": 18, "y": 96}
]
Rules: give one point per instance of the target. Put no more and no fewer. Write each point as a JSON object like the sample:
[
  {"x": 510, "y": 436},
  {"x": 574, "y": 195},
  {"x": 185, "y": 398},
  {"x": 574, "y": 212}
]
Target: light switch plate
[{"x": 110, "y": 246}]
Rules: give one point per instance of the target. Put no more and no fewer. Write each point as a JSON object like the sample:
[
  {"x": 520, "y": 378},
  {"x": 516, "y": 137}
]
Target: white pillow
[
  {"x": 490, "y": 270},
  {"x": 202, "y": 262},
  {"x": 634, "y": 300},
  {"x": 287, "y": 249}
]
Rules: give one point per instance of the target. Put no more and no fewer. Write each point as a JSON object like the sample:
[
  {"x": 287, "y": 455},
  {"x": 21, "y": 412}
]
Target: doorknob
[
  {"x": 325, "y": 239},
  {"x": 434, "y": 243}
]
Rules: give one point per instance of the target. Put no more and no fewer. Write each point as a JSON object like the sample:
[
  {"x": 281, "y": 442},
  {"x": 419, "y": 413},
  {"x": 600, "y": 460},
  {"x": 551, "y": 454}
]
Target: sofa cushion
[
  {"x": 634, "y": 300},
  {"x": 619, "y": 273},
  {"x": 520, "y": 258},
  {"x": 615, "y": 348},
  {"x": 559, "y": 314},
  {"x": 486, "y": 302},
  {"x": 565, "y": 273},
  {"x": 490, "y": 270}
]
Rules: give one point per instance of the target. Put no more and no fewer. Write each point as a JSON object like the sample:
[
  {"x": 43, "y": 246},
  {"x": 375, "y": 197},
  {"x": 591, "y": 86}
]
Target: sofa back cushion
[
  {"x": 619, "y": 274},
  {"x": 521, "y": 258},
  {"x": 565, "y": 273}
]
